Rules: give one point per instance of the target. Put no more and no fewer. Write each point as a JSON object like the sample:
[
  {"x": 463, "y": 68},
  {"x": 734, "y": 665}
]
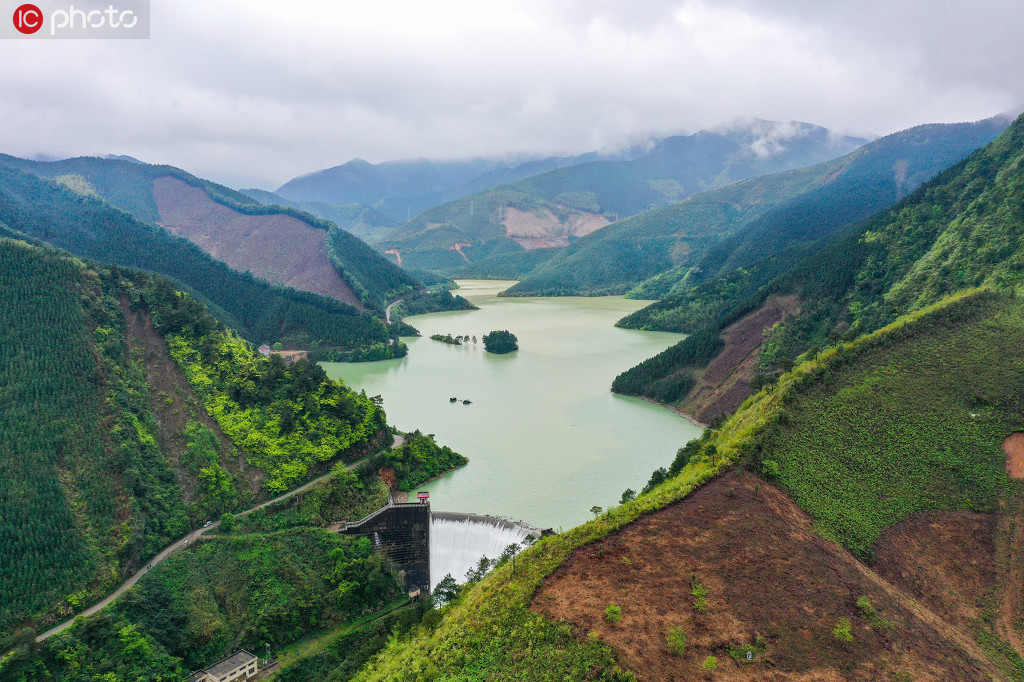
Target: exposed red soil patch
[
  {"x": 278, "y": 248},
  {"x": 457, "y": 246},
  {"x": 945, "y": 559},
  {"x": 767, "y": 574},
  {"x": 1013, "y": 447},
  {"x": 725, "y": 383}
]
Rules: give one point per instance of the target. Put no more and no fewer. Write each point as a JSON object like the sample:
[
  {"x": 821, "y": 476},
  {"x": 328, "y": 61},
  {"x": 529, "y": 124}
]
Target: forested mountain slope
[
  {"x": 91, "y": 228},
  {"x": 131, "y": 415},
  {"x": 553, "y": 209},
  {"x": 962, "y": 229},
  {"x": 222, "y": 219},
  {"x": 879, "y": 544},
  {"x": 674, "y": 249},
  {"x": 399, "y": 190}
]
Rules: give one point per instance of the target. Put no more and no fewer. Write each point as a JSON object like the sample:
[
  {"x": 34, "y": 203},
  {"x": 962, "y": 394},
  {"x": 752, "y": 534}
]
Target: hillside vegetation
[
  {"x": 111, "y": 448},
  {"x": 569, "y": 203},
  {"x": 669, "y": 251},
  {"x": 961, "y": 229},
  {"x": 130, "y": 186},
  {"x": 907, "y": 384},
  {"x": 91, "y": 228},
  {"x": 220, "y": 596}
]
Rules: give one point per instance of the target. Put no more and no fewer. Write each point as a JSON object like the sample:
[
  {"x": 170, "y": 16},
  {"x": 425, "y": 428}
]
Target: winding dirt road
[{"x": 188, "y": 540}]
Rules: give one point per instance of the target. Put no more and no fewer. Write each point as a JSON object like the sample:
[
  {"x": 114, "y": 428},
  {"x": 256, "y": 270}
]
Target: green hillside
[
  {"x": 603, "y": 190},
  {"x": 131, "y": 415},
  {"x": 961, "y": 229},
  {"x": 669, "y": 251},
  {"x": 129, "y": 186},
  {"x": 71, "y": 404},
  {"x": 226, "y": 594},
  {"x": 91, "y": 228},
  {"x": 908, "y": 419}
]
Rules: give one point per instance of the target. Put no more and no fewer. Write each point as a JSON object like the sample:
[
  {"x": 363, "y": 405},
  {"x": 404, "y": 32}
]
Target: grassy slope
[{"x": 491, "y": 634}]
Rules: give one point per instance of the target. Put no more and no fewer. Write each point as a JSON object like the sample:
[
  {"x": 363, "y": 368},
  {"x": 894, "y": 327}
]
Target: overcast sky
[{"x": 252, "y": 93}]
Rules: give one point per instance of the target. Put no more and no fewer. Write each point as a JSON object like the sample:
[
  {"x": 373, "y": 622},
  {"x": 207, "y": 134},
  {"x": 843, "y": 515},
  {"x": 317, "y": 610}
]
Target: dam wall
[{"x": 401, "y": 532}]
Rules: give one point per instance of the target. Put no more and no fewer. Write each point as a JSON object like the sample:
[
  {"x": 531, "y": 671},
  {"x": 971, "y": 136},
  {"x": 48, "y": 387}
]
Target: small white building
[{"x": 240, "y": 665}]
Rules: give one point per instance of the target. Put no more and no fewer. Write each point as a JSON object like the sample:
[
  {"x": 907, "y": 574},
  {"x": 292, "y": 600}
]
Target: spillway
[{"x": 458, "y": 541}]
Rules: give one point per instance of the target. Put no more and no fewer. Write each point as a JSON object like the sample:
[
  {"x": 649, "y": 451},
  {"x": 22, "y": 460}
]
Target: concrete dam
[{"x": 426, "y": 546}]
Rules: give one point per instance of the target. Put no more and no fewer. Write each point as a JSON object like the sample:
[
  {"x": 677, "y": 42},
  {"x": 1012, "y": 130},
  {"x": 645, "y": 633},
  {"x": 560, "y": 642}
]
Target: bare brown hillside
[
  {"x": 725, "y": 383},
  {"x": 769, "y": 575},
  {"x": 278, "y": 248},
  {"x": 543, "y": 229}
]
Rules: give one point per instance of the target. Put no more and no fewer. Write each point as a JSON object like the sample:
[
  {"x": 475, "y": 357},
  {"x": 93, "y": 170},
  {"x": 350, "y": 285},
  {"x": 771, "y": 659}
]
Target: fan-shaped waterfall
[{"x": 458, "y": 541}]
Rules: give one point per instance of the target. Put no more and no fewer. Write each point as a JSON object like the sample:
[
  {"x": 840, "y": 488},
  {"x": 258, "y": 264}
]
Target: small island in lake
[
  {"x": 500, "y": 341},
  {"x": 446, "y": 338}
]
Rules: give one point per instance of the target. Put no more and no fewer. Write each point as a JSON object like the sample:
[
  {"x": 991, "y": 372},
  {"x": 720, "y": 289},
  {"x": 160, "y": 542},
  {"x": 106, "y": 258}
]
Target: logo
[
  {"x": 28, "y": 19},
  {"x": 80, "y": 19}
]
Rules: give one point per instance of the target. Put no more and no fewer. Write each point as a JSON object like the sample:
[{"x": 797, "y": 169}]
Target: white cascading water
[{"x": 458, "y": 541}]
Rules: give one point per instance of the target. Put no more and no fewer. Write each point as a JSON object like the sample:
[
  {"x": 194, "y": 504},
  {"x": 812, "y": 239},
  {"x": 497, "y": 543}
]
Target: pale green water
[{"x": 545, "y": 436}]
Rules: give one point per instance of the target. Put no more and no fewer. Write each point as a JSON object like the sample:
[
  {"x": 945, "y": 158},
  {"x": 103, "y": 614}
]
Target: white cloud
[{"x": 257, "y": 92}]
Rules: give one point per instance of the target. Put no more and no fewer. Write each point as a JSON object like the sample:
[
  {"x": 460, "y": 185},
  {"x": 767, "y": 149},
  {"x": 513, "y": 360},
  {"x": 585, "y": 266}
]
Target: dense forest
[
  {"x": 959, "y": 230},
  {"x": 89, "y": 494},
  {"x": 85, "y": 493}
]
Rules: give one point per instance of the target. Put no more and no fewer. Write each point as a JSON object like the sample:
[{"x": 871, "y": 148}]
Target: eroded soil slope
[
  {"x": 767, "y": 574},
  {"x": 725, "y": 382},
  {"x": 544, "y": 230},
  {"x": 945, "y": 559},
  {"x": 277, "y": 248}
]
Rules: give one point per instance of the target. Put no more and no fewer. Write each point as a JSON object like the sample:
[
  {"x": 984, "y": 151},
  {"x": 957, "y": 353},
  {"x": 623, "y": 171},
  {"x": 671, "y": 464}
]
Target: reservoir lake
[{"x": 545, "y": 436}]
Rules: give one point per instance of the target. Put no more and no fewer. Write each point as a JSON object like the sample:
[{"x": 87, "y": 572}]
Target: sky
[{"x": 252, "y": 93}]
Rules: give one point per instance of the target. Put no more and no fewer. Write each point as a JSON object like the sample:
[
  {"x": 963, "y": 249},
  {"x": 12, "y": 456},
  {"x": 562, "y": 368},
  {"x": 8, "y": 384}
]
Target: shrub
[
  {"x": 613, "y": 614},
  {"x": 676, "y": 641},
  {"x": 842, "y": 630},
  {"x": 699, "y": 592},
  {"x": 770, "y": 469},
  {"x": 710, "y": 664}
]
